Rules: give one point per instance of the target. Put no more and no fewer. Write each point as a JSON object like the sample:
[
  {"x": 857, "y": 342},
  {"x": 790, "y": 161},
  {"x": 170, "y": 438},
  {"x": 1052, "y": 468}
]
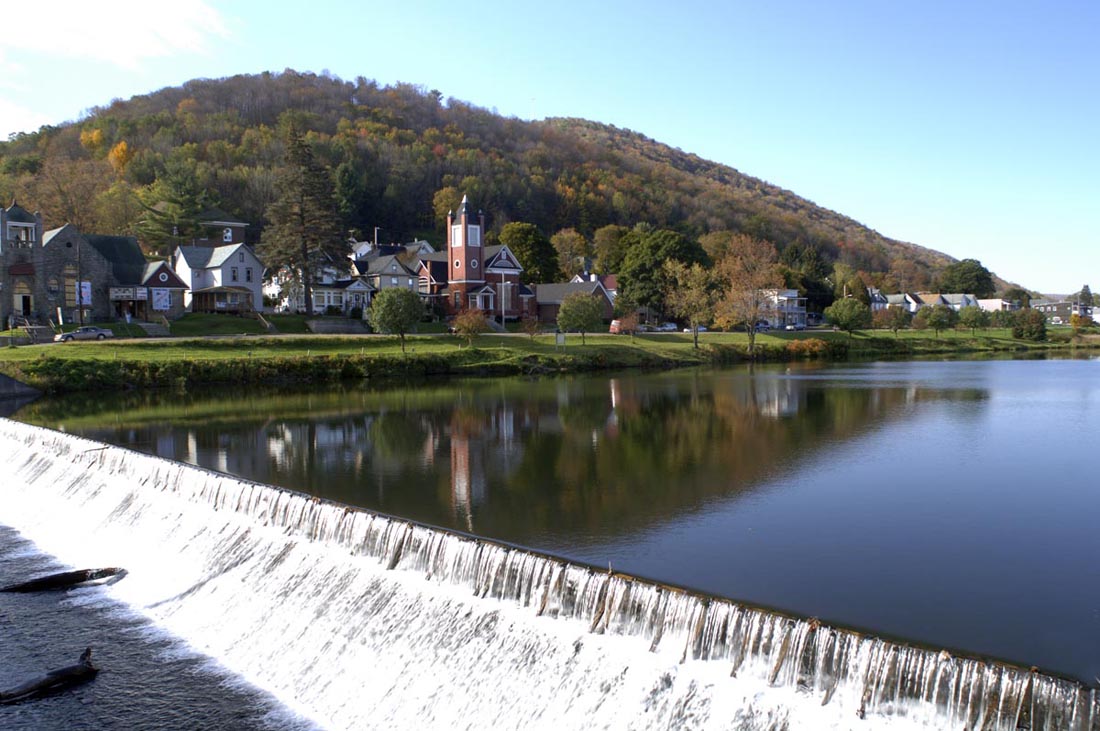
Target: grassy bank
[{"x": 182, "y": 362}]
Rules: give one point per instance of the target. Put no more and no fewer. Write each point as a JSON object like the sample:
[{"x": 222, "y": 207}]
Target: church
[{"x": 469, "y": 275}]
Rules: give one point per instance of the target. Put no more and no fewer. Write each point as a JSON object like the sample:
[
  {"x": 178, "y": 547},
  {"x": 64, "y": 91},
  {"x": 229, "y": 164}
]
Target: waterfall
[{"x": 359, "y": 620}]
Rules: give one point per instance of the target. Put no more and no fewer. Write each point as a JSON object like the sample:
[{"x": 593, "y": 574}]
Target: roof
[
  {"x": 929, "y": 298},
  {"x": 897, "y": 299},
  {"x": 124, "y": 255},
  {"x": 208, "y": 257},
  {"x": 383, "y": 265},
  {"x": 435, "y": 256},
  {"x": 218, "y": 216},
  {"x": 223, "y": 288},
  {"x": 173, "y": 281},
  {"x": 53, "y": 233},
  {"x": 15, "y": 213},
  {"x": 345, "y": 283},
  {"x": 957, "y": 299},
  {"x": 553, "y": 294}
]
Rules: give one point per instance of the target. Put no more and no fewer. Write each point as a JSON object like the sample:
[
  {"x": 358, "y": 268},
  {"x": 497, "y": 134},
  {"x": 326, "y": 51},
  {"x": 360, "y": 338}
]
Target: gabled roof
[
  {"x": 384, "y": 265},
  {"x": 124, "y": 255},
  {"x": 347, "y": 283},
  {"x": 501, "y": 257},
  {"x": 553, "y": 294},
  {"x": 435, "y": 256},
  {"x": 929, "y": 298},
  {"x": 15, "y": 213},
  {"x": 53, "y": 233},
  {"x": 958, "y": 299},
  {"x": 898, "y": 299},
  {"x": 151, "y": 278},
  {"x": 209, "y": 257}
]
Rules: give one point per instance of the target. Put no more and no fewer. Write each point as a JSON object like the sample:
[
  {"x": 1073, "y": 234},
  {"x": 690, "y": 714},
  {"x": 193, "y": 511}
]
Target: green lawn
[
  {"x": 199, "y": 324},
  {"x": 235, "y": 342}
]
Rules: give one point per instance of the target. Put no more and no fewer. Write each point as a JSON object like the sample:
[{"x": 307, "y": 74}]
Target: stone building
[{"x": 45, "y": 275}]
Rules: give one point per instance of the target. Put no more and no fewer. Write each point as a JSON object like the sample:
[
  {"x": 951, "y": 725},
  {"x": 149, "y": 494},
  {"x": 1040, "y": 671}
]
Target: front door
[{"x": 25, "y": 305}]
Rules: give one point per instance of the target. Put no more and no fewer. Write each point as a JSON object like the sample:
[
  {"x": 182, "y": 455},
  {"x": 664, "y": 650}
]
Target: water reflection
[{"x": 576, "y": 459}]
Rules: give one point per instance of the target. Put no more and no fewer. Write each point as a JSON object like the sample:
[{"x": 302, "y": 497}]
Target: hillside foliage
[{"x": 401, "y": 156}]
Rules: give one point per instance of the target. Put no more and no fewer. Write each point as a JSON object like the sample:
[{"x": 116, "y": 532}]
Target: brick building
[{"x": 469, "y": 275}]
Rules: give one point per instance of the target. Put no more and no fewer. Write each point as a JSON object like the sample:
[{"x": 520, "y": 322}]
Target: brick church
[{"x": 469, "y": 275}]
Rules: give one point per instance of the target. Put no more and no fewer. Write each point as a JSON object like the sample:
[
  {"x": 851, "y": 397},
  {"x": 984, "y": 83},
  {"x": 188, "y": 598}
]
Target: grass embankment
[{"x": 123, "y": 364}]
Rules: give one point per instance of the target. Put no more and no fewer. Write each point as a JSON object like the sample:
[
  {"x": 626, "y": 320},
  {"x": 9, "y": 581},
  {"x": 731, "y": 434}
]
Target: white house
[
  {"x": 784, "y": 307},
  {"x": 221, "y": 278}
]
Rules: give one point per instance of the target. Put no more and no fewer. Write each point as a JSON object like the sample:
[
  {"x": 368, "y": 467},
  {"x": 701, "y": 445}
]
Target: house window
[
  {"x": 233, "y": 277},
  {"x": 227, "y": 234},
  {"x": 456, "y": 235},
  {"x": 475, "y": 235},
  {"x": 393, "y": 281},
  {"x": 458, "y": 299},
  {"x": 248, "y": 274},
  {"x": 240, "y": 256}
]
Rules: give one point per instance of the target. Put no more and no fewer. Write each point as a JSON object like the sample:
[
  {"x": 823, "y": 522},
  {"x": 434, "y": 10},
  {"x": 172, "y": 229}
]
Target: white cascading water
[{"x": 358, "y": 620}]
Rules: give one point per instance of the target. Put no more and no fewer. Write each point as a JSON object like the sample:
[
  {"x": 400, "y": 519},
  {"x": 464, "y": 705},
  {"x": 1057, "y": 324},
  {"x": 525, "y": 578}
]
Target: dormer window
[{"x": 227, "y": 235}]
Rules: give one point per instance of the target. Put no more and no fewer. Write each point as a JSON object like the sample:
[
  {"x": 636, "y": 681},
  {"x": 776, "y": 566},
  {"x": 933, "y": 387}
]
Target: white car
[
  {"x": 701, "y": 328},
  {"x": 85, "y": 332}
]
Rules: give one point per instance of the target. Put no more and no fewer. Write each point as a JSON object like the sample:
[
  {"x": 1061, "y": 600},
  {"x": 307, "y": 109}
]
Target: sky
[{"x": 972, "y": 128}]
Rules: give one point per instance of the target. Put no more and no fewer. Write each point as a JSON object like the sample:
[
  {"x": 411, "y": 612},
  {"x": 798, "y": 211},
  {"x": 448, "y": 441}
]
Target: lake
[{"x": 947, "y": 503}]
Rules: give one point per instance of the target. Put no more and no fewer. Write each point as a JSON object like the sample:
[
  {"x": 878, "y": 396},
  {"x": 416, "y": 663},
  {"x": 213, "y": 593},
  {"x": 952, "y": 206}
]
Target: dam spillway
[{"x": 359, "y": 620}]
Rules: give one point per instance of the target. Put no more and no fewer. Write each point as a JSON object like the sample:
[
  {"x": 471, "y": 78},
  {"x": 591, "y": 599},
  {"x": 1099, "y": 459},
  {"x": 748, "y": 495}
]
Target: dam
[{"x": 355, "y": 619}]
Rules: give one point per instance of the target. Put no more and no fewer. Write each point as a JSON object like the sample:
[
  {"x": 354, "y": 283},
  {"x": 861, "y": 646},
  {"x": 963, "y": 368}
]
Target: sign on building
[{"x": 162, "y": 299}]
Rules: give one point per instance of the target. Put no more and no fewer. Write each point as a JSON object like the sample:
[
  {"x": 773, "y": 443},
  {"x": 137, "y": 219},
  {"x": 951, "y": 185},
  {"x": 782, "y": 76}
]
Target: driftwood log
[
  {"x": 52, "y": 681},
  {"x": 64, "y": 580}
]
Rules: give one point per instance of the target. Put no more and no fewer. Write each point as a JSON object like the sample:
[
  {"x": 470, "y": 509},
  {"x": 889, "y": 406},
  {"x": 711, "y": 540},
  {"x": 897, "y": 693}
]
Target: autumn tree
[
  {"x": 745, "y": 274},
  {"x": 848, "y": 314},
  {"x": 396, "y": 311},
  {"x": 573, "y": 251},
  {"x": 303, "y": 230},
  {"x": 535, "y": 252},
  {"x": 580, "y": 312},
  {"x": 119, "y": 157},
  {"x": 469, "y": 324},
  {"x": 692, "y": 294}
]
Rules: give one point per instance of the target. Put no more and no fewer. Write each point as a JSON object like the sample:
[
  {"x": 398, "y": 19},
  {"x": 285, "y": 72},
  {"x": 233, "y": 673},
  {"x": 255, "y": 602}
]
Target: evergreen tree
[
  {"x": 303, "y": 230},
  {"x": 171, "y": 208}
]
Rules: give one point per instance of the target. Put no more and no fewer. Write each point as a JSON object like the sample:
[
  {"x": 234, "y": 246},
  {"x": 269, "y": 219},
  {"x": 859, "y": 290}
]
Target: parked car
[
  {"x": 85, "y": 332},
  {"x": 701, "y": 328},
  {"x": 762, "y": 327},
  {"x": 795, "y": 326},
  {"x": 667, "y": 327}
]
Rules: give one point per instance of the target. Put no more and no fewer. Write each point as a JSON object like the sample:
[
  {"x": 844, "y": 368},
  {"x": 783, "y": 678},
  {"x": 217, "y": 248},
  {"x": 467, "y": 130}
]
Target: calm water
[{"x": 949, "y": 503}]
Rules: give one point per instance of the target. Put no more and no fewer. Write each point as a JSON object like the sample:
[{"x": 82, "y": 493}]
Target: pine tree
[{"x": 303, "y": 229}]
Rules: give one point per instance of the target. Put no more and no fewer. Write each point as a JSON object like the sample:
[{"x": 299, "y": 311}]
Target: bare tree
[{"x": 747, "y": 271}]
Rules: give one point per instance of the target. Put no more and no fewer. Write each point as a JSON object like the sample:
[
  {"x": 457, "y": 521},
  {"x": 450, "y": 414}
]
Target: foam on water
[{"x": 359, "y": 620}]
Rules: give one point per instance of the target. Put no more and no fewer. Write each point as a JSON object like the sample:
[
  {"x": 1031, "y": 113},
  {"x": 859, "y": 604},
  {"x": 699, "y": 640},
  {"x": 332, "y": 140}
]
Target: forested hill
[{"x": 402, "y": 156}]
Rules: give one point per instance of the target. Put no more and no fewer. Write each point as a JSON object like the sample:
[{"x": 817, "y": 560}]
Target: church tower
[{"x": 465, "y": 249}]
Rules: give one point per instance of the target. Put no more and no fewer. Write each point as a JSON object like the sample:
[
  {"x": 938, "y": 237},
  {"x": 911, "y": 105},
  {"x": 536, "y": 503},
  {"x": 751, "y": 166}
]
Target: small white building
[{"x": 221, "y": 278}]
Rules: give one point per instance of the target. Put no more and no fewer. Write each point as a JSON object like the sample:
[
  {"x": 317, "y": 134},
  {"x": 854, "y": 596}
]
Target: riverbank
[{"x": 181, "y": 363}]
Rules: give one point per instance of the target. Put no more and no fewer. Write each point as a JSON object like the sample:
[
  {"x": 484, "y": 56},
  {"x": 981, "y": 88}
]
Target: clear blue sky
[{"x": 968, "y": 127}]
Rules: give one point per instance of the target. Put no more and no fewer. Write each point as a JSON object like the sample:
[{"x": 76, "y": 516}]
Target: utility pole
[{"x": 79, "y": 285}]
